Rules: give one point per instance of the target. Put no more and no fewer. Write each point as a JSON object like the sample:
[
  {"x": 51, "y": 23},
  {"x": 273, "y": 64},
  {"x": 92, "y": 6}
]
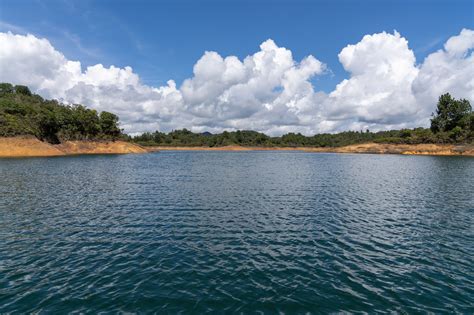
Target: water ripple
[{"x": 237, "y": 232}]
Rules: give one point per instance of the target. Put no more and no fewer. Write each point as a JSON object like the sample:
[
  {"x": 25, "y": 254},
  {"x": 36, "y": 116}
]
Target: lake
[{"x": 232, "y": 232}]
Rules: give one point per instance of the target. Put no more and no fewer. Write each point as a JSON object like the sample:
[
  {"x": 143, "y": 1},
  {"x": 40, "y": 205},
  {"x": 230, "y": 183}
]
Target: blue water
[{"x": 225, "y": 232}]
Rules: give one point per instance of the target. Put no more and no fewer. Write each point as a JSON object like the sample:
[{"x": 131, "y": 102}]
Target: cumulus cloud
[
  {"x": 268, "y": 91},
  {"x": 448, "y": 70},
  {"x": 35, "y": 62},
  {"x": 382, "y": 69}
]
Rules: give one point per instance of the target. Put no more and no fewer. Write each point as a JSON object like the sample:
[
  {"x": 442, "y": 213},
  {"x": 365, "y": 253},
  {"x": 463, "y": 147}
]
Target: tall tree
[{"x": 451, "y": 113}]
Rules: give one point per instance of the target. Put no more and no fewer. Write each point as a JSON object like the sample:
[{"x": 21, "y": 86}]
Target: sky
[{"x": 271, "y": 66}]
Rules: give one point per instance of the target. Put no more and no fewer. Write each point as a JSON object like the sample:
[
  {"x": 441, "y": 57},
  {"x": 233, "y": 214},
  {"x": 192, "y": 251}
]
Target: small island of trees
[{"x": 24, "y": 113}]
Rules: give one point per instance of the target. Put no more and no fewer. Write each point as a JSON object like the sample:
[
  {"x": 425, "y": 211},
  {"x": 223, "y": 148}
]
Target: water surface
[{"x": 198, "y": 232}]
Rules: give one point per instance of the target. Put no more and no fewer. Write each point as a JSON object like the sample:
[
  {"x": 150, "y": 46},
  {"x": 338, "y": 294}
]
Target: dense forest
[
  {"x": 453, "y": 122},
  {"x": 25, "y": 113}
]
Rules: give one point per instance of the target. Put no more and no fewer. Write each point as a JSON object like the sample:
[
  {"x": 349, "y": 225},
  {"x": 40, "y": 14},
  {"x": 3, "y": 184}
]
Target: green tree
[
  {"x": 6, "y": 88},
  {"x": 451, "y": 113},
  {"x": 456, "y": 133},
  {"x": 22, "y": 89},
  {"x": 109, "y": 124}
]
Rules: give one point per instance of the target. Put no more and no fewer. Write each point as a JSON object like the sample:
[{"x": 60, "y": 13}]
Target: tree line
[
  {"x": 25, "y": 113},
  {"x": 453, "y": 122}
]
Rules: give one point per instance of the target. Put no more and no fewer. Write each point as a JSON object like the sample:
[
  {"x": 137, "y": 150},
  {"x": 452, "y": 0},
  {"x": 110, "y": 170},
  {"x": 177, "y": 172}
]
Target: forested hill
[{"x": 25, "y": 113}]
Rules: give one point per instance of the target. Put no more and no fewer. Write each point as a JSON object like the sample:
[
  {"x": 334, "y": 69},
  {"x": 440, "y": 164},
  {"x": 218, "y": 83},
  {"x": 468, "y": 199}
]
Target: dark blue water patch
[{"x": 217, "y": 232}]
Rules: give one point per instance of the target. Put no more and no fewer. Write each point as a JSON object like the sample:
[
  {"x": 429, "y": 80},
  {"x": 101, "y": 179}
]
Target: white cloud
[
  {"x": 268, "y": 91},
  {"x": 382, "y": 69},
  {"x": 35, "y": 62},
  {"x": 388, "y": 90},
  {"x": 448, "y": 70}
]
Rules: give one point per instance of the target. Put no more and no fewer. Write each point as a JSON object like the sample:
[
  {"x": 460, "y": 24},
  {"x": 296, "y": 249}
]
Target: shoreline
[
  {"x": 365, "y": 148},
  {"x": 26, "y": 146},
  {"x": 18, "y": 147}
]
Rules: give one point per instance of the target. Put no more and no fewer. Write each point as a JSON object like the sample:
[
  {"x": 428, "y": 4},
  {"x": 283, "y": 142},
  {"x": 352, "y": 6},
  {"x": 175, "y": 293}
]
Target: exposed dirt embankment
[
  {"x": 17, "y": 147},
  {"x": 30, "y": 146},
  {"x": 413, "y": 149},
  {"x": 100, "y": 147},
  {"x": 374, "y": 148}
]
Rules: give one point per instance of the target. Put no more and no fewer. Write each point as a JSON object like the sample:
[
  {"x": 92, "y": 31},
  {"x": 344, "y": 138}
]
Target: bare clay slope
[{"x": 30, "y": 146}]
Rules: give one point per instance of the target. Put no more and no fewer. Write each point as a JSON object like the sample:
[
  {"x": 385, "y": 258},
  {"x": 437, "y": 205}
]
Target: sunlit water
[{"x": 218, "y": 232}]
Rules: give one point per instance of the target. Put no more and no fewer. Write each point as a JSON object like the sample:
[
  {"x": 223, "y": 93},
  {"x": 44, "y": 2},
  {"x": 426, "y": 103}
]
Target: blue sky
[
  {"x": 281, "y": 66},
  {"x": 162, "y": 40}
]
